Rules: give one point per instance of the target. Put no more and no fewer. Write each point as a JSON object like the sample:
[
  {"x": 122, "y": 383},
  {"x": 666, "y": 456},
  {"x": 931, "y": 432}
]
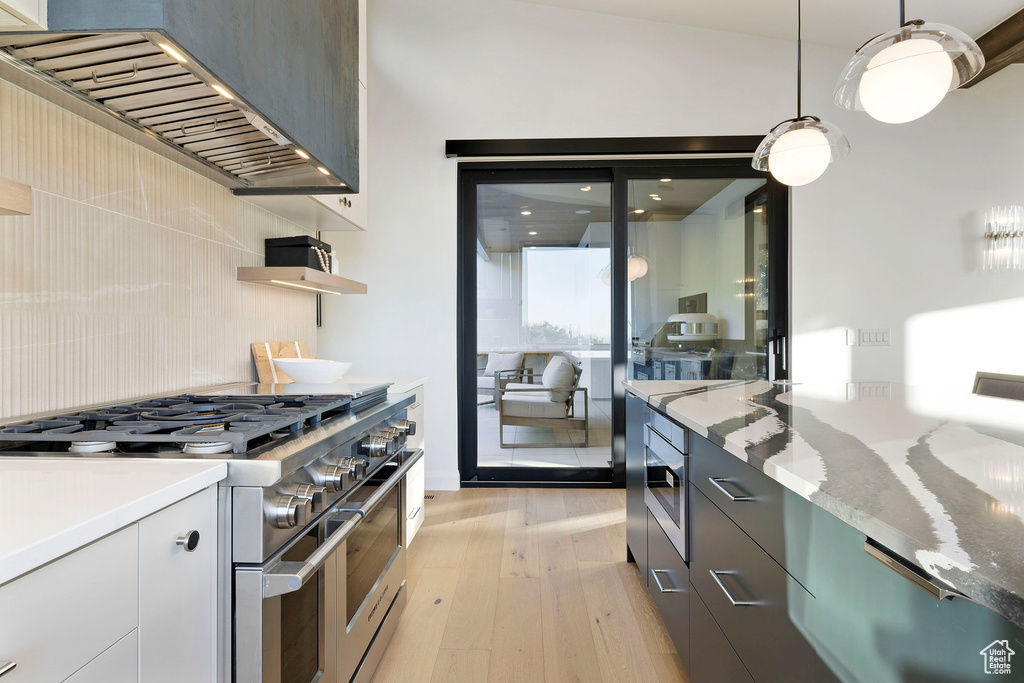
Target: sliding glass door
[{"x": 574, "y": 278}]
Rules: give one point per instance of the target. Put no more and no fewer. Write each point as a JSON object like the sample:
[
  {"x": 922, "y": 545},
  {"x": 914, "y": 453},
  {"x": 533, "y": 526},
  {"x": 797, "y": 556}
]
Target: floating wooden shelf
[
  {"x": 301, "y": 279},
  {"x": 15, "y": 198}
]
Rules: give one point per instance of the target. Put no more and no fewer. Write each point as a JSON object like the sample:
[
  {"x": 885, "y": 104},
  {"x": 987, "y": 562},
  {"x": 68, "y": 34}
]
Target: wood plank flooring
[{"x": 527, "y": 586}]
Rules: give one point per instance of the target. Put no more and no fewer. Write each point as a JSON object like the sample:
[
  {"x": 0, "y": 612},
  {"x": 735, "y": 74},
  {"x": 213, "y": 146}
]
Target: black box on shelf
[{"x": 298, "y": 251}]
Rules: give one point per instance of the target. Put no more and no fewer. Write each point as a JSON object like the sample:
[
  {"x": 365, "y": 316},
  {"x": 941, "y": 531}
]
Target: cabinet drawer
[
  {"x": 752, "y": 598},
  {"x": 414, "y": 489},
  {"x": 118, "y": 664},
  {"x": 57, "y": 618},
  {"x": 637, "y": 414},
  {"x": 775, "y": 517},
  {"x": 668, "y": 580},
  {"x": 714, "y": 660}
]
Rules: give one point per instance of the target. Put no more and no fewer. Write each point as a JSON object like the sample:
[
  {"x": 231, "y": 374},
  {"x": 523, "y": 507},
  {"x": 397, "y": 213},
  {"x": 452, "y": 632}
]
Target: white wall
[
  {"x": 122, "y": 281},
  {"x": 882, "y": 238}
]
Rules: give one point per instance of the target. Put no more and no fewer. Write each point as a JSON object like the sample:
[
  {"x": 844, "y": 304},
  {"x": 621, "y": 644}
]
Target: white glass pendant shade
[
  {"x": 798, "y": 151},
  {"x": 902, "y": 75},
  {"x": 636, "y": 268}
]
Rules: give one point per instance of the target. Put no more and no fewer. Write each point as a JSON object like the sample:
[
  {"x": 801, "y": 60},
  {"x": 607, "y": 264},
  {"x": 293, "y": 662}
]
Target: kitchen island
[{"x": 929, "y": 483}]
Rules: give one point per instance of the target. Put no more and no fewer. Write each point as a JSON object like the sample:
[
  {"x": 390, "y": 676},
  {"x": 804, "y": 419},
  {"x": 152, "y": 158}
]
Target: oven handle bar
[{"x": 288, "y": 577}]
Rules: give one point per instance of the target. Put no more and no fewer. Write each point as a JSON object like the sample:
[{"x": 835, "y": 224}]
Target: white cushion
[
  {"x": 558, "y": 376},
  {"x": 531, "y": 404},
  {"x": 485, "y": 382},
  {"x": 496, "y": 362}
]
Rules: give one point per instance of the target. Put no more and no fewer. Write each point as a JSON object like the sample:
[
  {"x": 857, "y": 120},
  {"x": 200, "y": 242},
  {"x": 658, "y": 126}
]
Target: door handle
[
  {"x": 718, "y": 481},
  {"x": 654, "y": 573},
  {"x": 734, "y": 601}
]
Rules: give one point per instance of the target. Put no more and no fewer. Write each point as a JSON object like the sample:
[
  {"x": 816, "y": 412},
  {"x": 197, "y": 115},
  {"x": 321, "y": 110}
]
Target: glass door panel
[
  {"x": 698, "y": 274},
  {"x": 543, "y": 293}
]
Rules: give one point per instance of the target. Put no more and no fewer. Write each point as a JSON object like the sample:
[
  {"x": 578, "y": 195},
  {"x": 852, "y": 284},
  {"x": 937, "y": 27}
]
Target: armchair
[
  {"x": 502, "y": 368},
  {"x": 551, "y": 404}
]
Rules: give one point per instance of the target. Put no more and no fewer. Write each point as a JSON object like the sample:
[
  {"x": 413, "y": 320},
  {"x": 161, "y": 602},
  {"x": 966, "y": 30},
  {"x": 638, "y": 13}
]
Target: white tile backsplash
[{"x": 122, "y": 281}]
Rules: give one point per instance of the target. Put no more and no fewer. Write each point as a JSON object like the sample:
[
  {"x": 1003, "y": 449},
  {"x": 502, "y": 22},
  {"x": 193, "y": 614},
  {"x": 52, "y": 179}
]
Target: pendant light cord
[
  {"x": 799, "y": 75},
  {"x": 903, "y": 14}
]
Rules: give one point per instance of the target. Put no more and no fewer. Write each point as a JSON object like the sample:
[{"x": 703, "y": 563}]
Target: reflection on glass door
[
  {"x": 698, "y": 278},
  {"x": 543, "y": 325}
]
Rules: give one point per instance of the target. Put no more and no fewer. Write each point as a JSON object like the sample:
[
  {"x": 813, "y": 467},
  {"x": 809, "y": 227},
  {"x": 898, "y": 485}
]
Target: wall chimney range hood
[{"x": 260, "y": 95}]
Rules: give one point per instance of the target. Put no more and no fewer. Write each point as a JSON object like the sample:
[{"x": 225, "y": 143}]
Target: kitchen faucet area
[{"x": 380, "y": 341}]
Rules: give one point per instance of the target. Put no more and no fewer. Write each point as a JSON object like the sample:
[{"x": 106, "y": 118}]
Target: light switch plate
[{"x": 875, "y": 337}]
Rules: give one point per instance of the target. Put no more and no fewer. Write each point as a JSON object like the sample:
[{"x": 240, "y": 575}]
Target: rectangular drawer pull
[
  {"x": 734, "y": 601},
  {"x": 718, "y": 481},
  {"x": 654, "y": 573},
  {"x": 415, "y": 513},
  {"x": 937, "y": 592},
  {"x": 6, "y": 667}
]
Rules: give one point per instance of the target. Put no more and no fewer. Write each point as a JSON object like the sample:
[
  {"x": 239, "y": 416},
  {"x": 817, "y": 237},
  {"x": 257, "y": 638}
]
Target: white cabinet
[
  {"x": 177, "y": 591},
  {"x": 414, "y": 480},
  {"x": 118, "y": 664},
  {"x": 132, "y": 603},
  {"x": 22, "y": 14},
  {"x": 58, "y": 618}
]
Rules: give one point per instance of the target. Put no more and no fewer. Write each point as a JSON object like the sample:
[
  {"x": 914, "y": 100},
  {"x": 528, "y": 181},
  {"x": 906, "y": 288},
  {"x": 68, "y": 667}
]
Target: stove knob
[
  {"x": 356, "y": 466},
  {"x": 407, "y": 426},
  {"x": 334, "y": 478},
  {"x": 292, "y": 511},
  {"x": 314, "y": 494},
  {"x": 374, "y": 446}
]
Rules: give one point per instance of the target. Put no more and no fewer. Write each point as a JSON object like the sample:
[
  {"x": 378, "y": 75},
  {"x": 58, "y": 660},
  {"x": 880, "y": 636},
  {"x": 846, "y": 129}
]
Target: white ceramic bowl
[{"x": 312, "y": 370}]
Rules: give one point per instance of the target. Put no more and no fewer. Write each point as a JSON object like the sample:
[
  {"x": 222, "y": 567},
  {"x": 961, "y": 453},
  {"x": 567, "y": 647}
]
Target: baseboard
[{"x": 442, "y": 481}]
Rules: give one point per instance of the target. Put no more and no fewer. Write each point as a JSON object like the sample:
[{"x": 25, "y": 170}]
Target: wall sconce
[{"x": 1004, "y": 238}]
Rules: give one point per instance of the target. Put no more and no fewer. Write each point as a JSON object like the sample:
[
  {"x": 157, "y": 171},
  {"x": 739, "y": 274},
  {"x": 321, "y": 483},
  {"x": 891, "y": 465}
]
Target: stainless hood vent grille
[{"x": 129, "y": 75}]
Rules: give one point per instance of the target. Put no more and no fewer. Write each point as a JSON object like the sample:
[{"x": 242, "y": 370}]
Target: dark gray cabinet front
[
  {"x": 636, "y": 509},
  {"x": 712, "y": 658},
  {"x": 668, "y": 580}
]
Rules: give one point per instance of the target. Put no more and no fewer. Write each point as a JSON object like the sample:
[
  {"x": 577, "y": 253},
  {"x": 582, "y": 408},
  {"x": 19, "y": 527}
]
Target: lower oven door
[{"x": 371, "y": 572}]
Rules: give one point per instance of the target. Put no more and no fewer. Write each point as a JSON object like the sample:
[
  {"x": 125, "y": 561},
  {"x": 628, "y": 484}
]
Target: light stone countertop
[
  {"x": 52, "y": 506},
  {"x": 938, "y": 477}
]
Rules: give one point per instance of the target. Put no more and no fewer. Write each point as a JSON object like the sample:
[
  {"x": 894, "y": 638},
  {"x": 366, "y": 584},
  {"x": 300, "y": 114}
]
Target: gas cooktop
[{"x": 234, "y": 420}]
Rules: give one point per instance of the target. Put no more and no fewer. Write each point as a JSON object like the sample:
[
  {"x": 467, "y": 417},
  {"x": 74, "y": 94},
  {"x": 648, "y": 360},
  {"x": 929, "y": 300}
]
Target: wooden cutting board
[{"x": 264, "y": 352}]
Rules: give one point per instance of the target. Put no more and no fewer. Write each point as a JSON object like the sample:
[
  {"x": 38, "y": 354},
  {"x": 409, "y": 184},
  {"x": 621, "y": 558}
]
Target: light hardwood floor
[{"x": 525, "y": 586}]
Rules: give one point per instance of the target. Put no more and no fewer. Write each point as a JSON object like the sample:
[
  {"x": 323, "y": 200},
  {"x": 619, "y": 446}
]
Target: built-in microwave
[{"x": 665, "y": 484}]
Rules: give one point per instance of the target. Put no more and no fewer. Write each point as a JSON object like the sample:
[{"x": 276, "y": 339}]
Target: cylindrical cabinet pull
[
  {"x": 189, "y": 541},
  {"x": 937, "y": 592},
  {"x": 654, "y": 573},
  {"x": 6, "y": 667},
  {"x": 718, "y": 481},
  {"x": 734, "y": 601},
  {"x": 415, "y": 513}
]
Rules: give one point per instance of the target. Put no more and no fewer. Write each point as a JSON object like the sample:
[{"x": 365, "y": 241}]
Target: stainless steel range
[{"x": 310, "y": 517}]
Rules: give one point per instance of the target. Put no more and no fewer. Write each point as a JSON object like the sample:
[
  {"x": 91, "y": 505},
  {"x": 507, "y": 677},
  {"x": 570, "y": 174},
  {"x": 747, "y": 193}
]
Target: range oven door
[
  {"x": 371, "y": 571},
  {"x": 290, "y": 614},
  {"x": 665, "y": 488}
]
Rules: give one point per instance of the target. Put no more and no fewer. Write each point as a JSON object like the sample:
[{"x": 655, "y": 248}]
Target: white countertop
[
  {"x": 52, "y": 506},
  {"x": 401, "y": 384}
]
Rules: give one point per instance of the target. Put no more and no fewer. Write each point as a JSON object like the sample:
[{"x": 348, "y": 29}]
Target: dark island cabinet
[
  {"x": 636, "y": 510},
  {"x": 778, "y": 589}
]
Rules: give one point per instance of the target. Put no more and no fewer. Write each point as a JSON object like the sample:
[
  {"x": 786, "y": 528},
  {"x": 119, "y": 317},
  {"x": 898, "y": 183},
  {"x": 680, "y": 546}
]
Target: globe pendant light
[
  {"x": 797, "y": 151},
  {"x": 902, "y": 75}
]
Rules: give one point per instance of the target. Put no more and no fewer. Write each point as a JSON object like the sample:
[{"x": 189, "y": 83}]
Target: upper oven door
[
  {"x": 371, "y": 572},
  {"x": 665, "y": 493}
]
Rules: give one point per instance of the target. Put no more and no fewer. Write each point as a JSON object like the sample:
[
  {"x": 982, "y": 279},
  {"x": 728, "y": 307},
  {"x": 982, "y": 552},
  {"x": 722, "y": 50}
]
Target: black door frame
[{"x": 618, "y": 172}]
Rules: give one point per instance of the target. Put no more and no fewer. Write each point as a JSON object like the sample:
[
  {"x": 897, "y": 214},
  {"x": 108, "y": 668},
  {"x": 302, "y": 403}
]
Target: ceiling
[
  {"x": 839, "y": 23},
  {"x": 561, "y": 213}
]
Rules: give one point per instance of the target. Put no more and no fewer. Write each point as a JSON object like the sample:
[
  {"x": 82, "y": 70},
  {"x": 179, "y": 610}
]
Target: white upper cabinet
[{"x": 25, "y": 14}]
